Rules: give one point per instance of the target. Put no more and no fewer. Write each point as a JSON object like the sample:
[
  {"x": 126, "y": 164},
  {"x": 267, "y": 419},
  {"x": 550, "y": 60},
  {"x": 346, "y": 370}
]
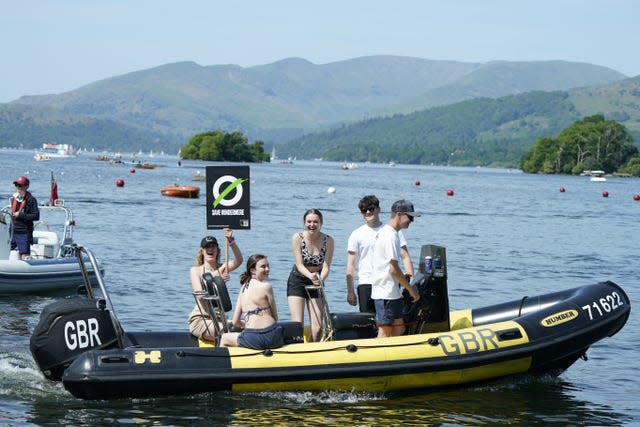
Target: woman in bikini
[
  {"x": 208, "y": 261},
  {"x": 255, "y": 311},
  {"x": 313, "y": 252}
]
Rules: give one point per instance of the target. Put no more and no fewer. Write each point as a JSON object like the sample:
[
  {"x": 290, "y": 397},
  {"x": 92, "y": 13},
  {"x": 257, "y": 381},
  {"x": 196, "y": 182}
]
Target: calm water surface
[{"x": 507, "y": 235}]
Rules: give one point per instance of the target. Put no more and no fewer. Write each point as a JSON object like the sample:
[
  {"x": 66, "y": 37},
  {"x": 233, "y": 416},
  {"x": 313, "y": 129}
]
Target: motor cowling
[
  {"x": 68, "y": 328},
  {"x": 431, "y": 312}
]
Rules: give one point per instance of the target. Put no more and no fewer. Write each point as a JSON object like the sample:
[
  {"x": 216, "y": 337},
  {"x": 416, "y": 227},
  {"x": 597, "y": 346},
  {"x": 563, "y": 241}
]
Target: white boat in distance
[
  {"x": 50, "y": 149},
  {"x": 597, "y": 176}
]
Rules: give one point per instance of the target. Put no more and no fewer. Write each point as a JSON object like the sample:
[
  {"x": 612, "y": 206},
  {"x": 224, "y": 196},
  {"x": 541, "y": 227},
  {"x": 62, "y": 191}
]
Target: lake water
[{"x": 507, "y": 235}]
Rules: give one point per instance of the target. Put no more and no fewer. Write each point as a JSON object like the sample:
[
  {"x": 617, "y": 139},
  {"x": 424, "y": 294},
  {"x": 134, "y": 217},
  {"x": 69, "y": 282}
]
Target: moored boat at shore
[{"x": 542, "y": 334}]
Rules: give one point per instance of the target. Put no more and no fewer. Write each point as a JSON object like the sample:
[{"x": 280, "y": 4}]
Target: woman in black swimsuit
[
  {"x": 256, "y": 311},
  {"x": 313, "y": 253}
]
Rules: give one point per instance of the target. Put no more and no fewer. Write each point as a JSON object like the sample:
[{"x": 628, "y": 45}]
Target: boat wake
[
  {"x": 323, "y": 397},
  {"x": 21, "y": 379}
]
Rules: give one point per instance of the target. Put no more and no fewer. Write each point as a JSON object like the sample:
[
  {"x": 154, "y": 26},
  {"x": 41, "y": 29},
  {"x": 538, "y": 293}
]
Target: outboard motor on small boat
[
  {"x": 68, "y": 328},
  {"x": 431, "y": 312}
]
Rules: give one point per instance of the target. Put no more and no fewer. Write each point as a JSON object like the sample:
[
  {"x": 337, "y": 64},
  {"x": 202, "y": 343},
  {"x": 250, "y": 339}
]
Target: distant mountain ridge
[{"x": 274, "y": 102}]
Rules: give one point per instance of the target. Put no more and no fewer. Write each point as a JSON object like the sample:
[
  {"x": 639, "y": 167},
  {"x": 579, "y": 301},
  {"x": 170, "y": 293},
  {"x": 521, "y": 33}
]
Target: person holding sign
[
  {"x": 208, "y": 261},
  {"x": 313, "y": 253}
]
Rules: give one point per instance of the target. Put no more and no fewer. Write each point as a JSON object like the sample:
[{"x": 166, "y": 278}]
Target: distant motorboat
[
  {"x": 144, "y": 165},
  {"x": 50, "y": 150},
  {"x": 41, "y": 157},
  {"x": 596, "y": 176},
  {"x": 349, "y": 166},
  {"x": 184, "y": 191}
]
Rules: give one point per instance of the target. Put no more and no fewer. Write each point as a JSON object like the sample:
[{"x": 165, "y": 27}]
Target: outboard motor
[
  {"x": 431, "y": 312},
  {"x": 68, "y": 328}
]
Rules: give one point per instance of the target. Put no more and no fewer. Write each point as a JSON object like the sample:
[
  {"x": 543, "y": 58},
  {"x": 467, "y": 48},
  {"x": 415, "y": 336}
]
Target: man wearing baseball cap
[
  {"x": 387, "y": 275},
  {"x": 24, "y": 211}
]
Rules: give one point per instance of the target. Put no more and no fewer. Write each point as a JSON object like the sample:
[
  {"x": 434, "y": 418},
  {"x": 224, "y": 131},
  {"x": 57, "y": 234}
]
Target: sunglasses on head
[{"x": 369, "y": 208}]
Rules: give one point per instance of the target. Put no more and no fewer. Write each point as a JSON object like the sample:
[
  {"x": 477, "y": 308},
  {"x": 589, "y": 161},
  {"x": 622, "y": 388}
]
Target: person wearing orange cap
[{"x": 24, "y": 211}]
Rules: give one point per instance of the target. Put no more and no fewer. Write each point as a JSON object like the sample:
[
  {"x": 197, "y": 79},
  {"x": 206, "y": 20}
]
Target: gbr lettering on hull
[{"x": 471, "y": 341}]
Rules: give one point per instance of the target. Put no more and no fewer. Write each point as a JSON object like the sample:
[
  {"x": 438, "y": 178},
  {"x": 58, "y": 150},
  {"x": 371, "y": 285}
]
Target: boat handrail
[
  {"x": 326, "y": 325},
  {"x": 79, "y": 250},
  {"x": 5, "y": 215},
  {"x": 212, "y": 291},
  {"x": 66, "y": 236}
]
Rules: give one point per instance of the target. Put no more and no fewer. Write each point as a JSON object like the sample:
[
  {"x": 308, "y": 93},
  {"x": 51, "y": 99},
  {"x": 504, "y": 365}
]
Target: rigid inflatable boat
[
  {"x": 80, "y": 342},
  {"x": 52, "y": 265}
]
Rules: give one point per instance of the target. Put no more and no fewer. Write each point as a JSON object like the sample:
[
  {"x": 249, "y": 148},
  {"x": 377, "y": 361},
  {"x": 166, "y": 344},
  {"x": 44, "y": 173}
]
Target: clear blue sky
[{"x": 52, "y": 46}]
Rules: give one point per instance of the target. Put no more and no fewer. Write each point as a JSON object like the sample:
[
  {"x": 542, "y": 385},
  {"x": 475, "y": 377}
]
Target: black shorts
[
  {"x": 365, "y": 303},
  {"x": 296, "y": 285}
]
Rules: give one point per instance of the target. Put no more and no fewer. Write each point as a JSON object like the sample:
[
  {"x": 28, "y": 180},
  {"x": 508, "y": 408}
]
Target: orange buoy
[
  {"x": 562, "y": 190},
  {"x": 120, "y": 182},
  {"x": 605, "y": 194},
  {"x": 133, "y": 170},
  {"x": 417, "y": 182},
  {"x": 450, "y": 192},
  {"x": 636, "y": 197}
]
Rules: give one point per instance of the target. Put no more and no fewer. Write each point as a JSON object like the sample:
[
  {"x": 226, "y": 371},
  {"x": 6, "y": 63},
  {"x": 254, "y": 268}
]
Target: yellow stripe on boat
[
  {"x": 395, "y": 382},
  {"x": 381, "y": 350}
]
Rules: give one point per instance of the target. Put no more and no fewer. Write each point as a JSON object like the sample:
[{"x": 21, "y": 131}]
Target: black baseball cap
[
  {"x": 406, "y": 207},
  {"x": 208, "y": 241}
]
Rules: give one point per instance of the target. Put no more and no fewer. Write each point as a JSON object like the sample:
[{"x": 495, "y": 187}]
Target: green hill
[
  {"x": 164, "y": 107},
  {"x": 487, "y": 132}
]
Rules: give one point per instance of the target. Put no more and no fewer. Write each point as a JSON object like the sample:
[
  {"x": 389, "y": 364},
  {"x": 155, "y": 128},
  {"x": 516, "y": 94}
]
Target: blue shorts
[
  {"x": 388, "y": 310},
  {"x": 21, "y": 242},
  {"x": 260, "y": 339}
]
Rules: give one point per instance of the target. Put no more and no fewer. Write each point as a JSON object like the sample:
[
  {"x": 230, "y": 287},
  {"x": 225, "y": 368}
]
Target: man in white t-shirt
[
  {"x": 386, "y": 274},
  {"x": 360, "y": 249}
]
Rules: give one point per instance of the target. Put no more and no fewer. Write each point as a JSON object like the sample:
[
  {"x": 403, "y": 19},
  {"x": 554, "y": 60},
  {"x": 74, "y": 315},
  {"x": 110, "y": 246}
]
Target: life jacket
[{"x": 16, "y": 205}]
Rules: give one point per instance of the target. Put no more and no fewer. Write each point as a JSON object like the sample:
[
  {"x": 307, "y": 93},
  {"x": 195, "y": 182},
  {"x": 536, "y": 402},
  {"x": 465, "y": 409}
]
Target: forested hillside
[
  {"x": 487, "y": 132},
  {"x": 478, "y": 132}
]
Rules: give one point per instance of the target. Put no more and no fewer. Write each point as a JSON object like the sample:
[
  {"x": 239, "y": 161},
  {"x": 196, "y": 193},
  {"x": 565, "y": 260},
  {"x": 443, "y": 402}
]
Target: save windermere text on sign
[{"x": 228, "y": 197}]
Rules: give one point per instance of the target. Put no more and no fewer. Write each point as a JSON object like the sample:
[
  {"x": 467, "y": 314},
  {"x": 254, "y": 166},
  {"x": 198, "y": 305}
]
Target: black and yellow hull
[{"x": 544, "y": 334}]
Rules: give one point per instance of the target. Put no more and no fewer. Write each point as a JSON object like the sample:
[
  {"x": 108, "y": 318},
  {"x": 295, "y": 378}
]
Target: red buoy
[
  {"x": 133, "y": 170},
  {"x": 120, "y": 182},
  {"x": 562, "y": 190},
  {"x": 450, "y": 192},
  {"x": 605, "y": 194},
  {"x": 636, "y": 197}
]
